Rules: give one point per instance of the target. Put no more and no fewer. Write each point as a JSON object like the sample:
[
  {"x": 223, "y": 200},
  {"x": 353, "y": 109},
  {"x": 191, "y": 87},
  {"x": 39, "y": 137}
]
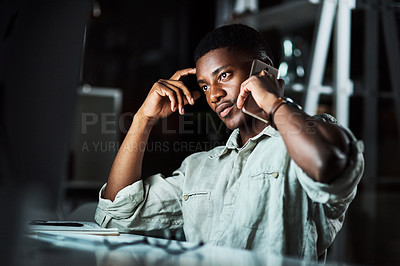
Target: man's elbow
[{"x": 332, "y": 165}]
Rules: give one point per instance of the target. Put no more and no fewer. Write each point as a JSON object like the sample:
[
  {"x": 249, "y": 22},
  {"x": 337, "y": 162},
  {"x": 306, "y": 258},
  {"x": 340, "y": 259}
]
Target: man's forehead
[{"x": 221, "y": 57}]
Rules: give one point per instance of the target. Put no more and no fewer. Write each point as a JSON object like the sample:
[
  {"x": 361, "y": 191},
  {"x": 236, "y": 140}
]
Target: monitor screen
[{"x": 41, "y": 46}]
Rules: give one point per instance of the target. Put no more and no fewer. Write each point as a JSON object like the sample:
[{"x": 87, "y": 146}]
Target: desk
[{"x": 64, "y": 249}]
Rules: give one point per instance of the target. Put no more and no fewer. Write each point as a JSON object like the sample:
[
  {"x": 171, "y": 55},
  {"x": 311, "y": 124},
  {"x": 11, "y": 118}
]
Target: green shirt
[{"x": 252, "y": 197}]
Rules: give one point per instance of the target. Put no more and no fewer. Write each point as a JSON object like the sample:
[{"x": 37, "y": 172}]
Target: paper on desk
[
  {"x": 86, "y": 242},
  {"x": 88, "y": 228},
  {"x": 96, "y": 242}
]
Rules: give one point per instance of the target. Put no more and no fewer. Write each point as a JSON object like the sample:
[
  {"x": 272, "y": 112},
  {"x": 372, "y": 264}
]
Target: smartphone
[{"x": 250, "y": 107}]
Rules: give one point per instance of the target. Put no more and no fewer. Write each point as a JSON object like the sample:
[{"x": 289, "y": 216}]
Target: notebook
[{"x": 71, "y": 227}]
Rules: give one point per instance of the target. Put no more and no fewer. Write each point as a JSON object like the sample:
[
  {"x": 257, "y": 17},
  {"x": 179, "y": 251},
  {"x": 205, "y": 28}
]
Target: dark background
[{"x": 131, "y": 44}]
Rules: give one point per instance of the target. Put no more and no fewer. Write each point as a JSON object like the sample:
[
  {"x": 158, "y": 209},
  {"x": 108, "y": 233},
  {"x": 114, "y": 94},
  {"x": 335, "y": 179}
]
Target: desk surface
[{"x": 126, "y": 249}]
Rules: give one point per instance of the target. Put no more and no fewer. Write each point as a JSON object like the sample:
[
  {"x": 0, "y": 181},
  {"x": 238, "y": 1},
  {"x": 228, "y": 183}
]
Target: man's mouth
[{"x": 224, "y": 108}]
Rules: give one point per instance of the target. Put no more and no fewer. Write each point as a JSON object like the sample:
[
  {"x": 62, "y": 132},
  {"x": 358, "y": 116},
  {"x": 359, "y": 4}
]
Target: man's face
[{"x": 220, "y": 73}]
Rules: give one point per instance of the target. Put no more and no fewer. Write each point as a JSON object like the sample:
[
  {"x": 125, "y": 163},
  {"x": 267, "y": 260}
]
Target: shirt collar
[{"x": 233, "y": 140}]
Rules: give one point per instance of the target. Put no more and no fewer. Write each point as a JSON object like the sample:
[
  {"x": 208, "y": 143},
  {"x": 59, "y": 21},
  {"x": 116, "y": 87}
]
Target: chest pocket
[
  {"x": 197, "y": 203},
  {"x": 197, "y": 213},
  {"x": 259, "y": 200}
]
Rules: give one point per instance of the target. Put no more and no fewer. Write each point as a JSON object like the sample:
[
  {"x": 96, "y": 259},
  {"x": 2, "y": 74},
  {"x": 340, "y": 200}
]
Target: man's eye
[
  {"x": 204, "y": 88},
  {"x": 224, "y": 75}
]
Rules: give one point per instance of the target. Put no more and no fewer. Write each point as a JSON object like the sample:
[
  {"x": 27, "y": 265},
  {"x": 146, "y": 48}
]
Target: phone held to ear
[{"x": 250, "y": 107}]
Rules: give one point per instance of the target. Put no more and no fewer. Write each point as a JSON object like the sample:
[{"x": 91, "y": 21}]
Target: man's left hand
[{"x": 265, "y": 89}]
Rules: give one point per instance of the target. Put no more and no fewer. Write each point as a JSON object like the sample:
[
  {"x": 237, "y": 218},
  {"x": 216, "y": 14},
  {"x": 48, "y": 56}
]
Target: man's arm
[
  {"x": 164, "y": 98},
  {"x": 321, "y": 149},
  {"x": 127, "y": 166}
]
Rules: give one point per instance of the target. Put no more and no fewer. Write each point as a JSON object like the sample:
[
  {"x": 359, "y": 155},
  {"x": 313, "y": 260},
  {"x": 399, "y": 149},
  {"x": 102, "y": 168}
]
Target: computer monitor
[
  {"x": 41, "y": 46},
  {"x": 96, "y": 132}
]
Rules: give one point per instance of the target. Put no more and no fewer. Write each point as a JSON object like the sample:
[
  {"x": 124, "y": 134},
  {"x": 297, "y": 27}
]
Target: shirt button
[
  {"x": 275, "y": 174},
  {"x": 185, "y": 198}
]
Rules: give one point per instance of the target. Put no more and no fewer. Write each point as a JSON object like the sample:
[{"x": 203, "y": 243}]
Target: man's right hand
[
  {"x": 164, "y": 98},
  {"x": 167, "y": 96}
]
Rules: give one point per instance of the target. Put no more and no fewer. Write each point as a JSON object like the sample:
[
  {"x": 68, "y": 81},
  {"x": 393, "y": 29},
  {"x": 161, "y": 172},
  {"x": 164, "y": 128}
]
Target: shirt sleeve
[
  {"x": 152, "y": 203},
  {"x": 343, "y": 188}
]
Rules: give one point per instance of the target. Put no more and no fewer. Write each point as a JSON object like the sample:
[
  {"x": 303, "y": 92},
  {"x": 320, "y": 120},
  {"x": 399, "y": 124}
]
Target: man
[{"x": 281, "y": 187}]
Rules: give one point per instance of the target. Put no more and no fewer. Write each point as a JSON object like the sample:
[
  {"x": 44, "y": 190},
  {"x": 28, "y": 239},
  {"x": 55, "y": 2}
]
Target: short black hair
[{"x": 237, "y": 37}]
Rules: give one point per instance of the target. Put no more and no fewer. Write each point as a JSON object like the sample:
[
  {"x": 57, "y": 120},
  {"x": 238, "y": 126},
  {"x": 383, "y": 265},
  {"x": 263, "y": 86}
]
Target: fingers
[
  {"x": 244, "y": 93},
  {"x": 264, "y": 73},
  {"x": 174, "y": 96},
  {"x": 277, "y": 83},
  {"x": 165, "y": 92},
  {"x": 184, "y": 92},
  {"x": 178, "y": 94},
  {"x": 181, "y": 87},
  {"x": 247, "y": 86},
  {"x": 183, "y": 72},
  {"x": 259, "y": 85},
  {"x": 176, "y": 91}
]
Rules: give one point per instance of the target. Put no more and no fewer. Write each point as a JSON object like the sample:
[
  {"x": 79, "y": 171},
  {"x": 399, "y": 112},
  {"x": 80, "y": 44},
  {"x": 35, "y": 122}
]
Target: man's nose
[{"x": 216, "y": 93}]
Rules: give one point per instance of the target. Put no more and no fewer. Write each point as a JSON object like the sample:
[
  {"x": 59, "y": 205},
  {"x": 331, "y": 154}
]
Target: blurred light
[
  {"x": 297, "y": 87},
  {"x": 300, "y": 71},
  {"x": 287, "y": 48},
  {"x": 242, "y": 6},
  {"x": 86, "y": 88},
  {"x": 297, "y": 52},
  {"x": 96, "y": 9},
  {"x": 283, "y": 68}
]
